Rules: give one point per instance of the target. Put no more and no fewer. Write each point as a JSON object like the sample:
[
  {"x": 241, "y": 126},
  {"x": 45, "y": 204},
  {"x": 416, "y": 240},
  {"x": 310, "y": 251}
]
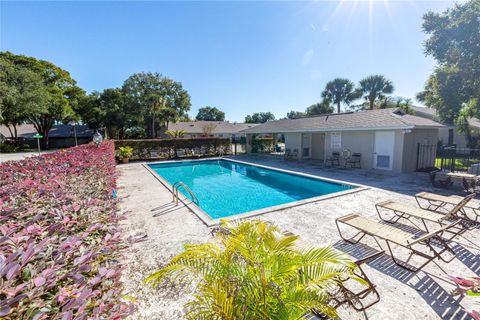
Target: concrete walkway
[
  {"x": 19, "y": 155},
  {"x": 405, "y": 295}
]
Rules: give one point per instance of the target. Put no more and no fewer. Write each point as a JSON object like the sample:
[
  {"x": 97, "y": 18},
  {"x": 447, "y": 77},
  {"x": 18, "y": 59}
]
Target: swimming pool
[{"x": 225, "y": 188}]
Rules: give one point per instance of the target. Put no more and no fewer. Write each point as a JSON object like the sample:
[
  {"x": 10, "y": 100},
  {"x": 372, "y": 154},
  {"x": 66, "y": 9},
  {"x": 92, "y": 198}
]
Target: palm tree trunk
[{"x": 338, "y": 107}]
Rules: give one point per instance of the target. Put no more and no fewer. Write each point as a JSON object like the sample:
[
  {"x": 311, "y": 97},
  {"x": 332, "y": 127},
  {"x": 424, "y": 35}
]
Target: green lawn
[{"x": 462, "y": 164}]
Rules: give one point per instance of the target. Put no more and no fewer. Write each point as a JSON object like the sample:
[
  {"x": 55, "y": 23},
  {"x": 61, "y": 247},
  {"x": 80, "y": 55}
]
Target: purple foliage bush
[{"x": 59, "y": 236}]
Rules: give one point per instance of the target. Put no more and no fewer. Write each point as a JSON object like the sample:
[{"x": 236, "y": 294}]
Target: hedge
[
  {"x": 60, "y": 242},
  {"x": 263, "y": 145},
  {"x": 146, "y": 149}
]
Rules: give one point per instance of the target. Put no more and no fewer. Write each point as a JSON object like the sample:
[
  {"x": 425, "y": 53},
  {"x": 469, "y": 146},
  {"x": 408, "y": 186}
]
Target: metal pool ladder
[{"x": 177, "y": 185}]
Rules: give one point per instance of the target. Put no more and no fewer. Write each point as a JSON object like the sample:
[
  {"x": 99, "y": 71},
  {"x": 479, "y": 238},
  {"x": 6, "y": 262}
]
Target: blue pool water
[{"x": 225, "y": 188}]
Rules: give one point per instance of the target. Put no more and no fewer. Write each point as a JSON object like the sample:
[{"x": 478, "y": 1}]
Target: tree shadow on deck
[{"x": 441, "y": 301}]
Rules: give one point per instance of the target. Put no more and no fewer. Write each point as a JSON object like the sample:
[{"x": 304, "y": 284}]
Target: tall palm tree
[
  {"x": 375, "y": 87},
  {"x": 340, "y": 91},
  {"x": 251, "y": 270}
]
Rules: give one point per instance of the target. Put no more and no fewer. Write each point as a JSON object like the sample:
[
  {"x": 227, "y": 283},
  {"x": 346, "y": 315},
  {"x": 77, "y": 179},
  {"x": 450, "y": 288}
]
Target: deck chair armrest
[
  {"x": 369, "y": 258},
  {"x": 432, "y": 234},
  {"x": 383, "y": 203}
]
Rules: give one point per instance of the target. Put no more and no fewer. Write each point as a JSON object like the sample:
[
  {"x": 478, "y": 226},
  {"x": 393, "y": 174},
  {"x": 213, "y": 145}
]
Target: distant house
[
  {"x": 60, "y": 136},
  {"x": 211, "y": 129},
  {"x": 449, "y": 134},
  {"x": 387, "y": 139}
]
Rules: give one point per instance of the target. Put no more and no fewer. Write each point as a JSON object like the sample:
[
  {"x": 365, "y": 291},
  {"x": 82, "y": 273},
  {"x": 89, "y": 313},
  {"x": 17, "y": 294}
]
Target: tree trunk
[
  {"x": 338, "y": 107},
  {"x": 11, "y": 132},
  {"x": 153, "y": 126},
  {"x": 371, "y": 102},
  {"x": 15, "y": 132}
]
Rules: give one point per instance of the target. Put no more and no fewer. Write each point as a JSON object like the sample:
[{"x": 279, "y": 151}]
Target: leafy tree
[
  {"x": 259, "y": 117},
  {"x": 469, "y": 110},
  {"x": 253, "y": 271},
  {"x": 295, "y": 114},
  {"x": 445, "y": 93},
  {"x": 323, "y": 107},
  {"x": 397, "y": 102},
  {"x": 210, "y": 114},
  {"x": 453, "y": 41},
  {"x": 20, "y": 90},
  {"x": 185, "y": 118},
  {"x": 161, "y": 100},
  {"x": 57, "y": 92},
  {"x": 374, "y": 88},
  {"x": 340, "y": 91}
]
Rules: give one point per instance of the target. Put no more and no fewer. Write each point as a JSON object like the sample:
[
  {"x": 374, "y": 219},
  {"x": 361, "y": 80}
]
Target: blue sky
[{"x": 241, "y": 57}]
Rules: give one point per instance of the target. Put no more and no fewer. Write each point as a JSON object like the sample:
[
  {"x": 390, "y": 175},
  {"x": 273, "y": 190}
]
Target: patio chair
[
  {"x": 333, "y": 159},
  {"x": 433, "y": 243},
  {"x": 289, "y": 155},
  {"x": 196, "y": 153},
  {"x": 359, "y": 299},
  {"x": 438, "y": 203},
  {"x": 355, "y": 161},
  {"x": 181, "y": 153},
  {"x": 403, "y": 211}
]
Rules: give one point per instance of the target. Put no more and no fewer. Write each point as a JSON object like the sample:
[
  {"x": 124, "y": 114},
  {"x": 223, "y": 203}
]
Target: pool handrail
[{"x": 177, "y": 186}]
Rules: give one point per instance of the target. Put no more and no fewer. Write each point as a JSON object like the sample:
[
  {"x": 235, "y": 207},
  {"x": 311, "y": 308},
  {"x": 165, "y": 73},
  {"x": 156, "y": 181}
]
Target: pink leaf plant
[{"x": 59, "y": 236}]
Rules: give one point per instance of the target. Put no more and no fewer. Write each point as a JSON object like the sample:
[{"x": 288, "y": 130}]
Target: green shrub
[
  {"x": 165, "y": 148},
  {"x": 8, "y": 148},
  {"x": 262, "y": 145},
  {"x": 125, "y": 152}
]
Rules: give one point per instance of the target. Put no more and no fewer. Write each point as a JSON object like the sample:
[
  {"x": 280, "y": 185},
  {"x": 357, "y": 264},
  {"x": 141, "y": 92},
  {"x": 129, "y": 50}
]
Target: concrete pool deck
[{"x": 424, "y": 295}]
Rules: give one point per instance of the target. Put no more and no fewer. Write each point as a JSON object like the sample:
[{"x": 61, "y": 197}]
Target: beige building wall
[
  {"x": 355, "y": 141},
  {"x": 411, "y": 141},
  {"x": 293, "y": 140}
]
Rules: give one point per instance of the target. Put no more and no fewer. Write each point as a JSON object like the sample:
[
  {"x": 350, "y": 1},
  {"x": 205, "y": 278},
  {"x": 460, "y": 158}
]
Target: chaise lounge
[
  {"x": 432, "y": 243},
  {"x": 437, "y": 202},
  {"x": 403, "y": 211}
]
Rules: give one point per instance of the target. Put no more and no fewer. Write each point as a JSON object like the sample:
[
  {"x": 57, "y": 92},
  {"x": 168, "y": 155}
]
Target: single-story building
[
  {"x": 211, "y": 129},
  {"x": 387, "y": 139},
  {"x": 449, "y": 134},
  {"x": 60, "y": 136}
]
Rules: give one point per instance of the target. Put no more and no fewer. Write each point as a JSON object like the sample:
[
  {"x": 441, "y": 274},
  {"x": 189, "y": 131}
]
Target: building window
[
  {"x": 450, "y": 137},
  {"x": 336, "y": 140}
]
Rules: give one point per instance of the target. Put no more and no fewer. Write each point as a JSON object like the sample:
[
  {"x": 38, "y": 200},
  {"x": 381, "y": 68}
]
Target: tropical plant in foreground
[{"x": 250, "y": 270}]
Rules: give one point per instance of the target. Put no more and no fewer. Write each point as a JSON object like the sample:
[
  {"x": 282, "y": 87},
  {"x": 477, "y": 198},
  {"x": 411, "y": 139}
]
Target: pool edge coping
[{"x": 210, "y": 222}]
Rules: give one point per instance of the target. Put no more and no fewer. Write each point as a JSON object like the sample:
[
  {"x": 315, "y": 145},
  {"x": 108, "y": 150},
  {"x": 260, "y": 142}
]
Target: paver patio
[{"x": 405, "y": 295}]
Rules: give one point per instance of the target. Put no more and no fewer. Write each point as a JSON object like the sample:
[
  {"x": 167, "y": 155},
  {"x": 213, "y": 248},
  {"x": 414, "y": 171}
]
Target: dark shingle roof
[
  {"x": 219, "y": 126},
  {"x": 365, "y": 120},
  {"x": 57, "y": 131}
]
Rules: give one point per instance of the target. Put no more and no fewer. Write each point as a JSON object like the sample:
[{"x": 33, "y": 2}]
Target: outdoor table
[{"x": 445, "y": 179}]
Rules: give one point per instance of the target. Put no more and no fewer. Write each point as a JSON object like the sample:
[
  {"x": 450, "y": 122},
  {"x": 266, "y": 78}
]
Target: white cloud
[
  {"x": 307, "y": 57},
  {"x": 325, "y": 28}
]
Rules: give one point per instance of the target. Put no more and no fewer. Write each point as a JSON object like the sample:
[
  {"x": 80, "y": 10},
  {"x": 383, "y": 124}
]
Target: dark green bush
[
  {"x": 8, "y": 148},
  {"x": 146, "y": 149},
  {"x": 263, "y": 145}
]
